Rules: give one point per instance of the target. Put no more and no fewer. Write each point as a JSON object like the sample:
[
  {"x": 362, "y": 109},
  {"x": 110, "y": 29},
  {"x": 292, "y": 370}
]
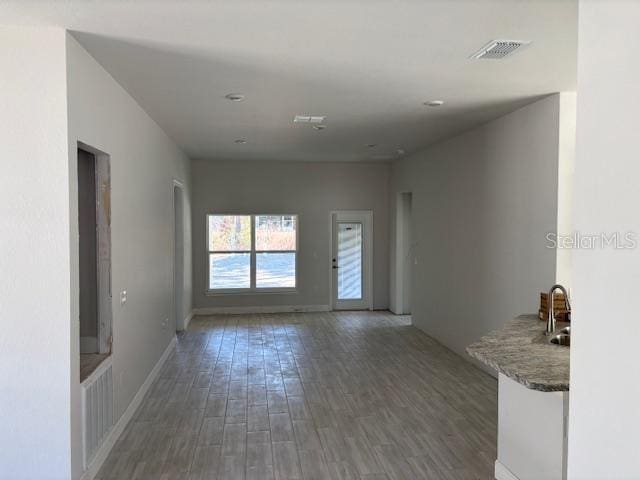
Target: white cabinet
[{"x": 532, "y": 433}]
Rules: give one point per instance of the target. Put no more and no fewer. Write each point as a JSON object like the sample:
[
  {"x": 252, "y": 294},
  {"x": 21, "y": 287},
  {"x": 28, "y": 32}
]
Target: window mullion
[{"x": 253, "y": 252}]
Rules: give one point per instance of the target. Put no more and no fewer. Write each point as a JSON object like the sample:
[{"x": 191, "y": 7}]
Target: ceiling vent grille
[
  {"x": 309, "y": 119},
  {"x": 498, "y": 49}
]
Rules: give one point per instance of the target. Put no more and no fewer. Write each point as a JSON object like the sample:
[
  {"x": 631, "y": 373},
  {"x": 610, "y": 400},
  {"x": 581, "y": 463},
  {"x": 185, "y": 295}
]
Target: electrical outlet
[
  {"x": 123, "y": 297},
  {"x": 165, "y": 323}
]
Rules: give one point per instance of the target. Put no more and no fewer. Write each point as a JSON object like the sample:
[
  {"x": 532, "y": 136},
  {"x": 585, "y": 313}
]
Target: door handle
[{"x": 334, "y": 267}]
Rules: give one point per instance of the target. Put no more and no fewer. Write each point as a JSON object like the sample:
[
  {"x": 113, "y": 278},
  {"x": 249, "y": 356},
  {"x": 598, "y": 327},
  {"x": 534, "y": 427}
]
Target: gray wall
[
  {"x": 310, "y": 190},
  {"x": 144, "y": 163},
  {"x": 482, "y": 204},
  {"x": 605, "y": 392}
]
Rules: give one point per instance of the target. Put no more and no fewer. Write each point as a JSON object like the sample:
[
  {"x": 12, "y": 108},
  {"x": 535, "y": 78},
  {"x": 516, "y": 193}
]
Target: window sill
[{"x": 262, "y": 291}]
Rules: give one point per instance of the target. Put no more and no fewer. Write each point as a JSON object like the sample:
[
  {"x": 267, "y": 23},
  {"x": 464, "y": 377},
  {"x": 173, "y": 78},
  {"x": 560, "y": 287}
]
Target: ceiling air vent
[
  {"x": 497, "y": 49},
  {"x": 309, "y": 119}
]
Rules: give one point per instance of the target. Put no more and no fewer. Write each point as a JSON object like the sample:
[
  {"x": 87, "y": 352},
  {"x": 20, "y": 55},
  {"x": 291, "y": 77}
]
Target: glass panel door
[{"x": 349, "y": 261}]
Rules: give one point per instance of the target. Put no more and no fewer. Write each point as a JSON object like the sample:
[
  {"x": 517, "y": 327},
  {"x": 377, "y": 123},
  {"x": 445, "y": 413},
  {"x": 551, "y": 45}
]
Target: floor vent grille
[{"x": 97, "y": 411}]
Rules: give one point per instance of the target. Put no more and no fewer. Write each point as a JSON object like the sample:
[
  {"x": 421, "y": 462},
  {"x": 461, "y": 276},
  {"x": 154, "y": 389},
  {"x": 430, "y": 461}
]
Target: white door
[{"x": 352, "y": 249}]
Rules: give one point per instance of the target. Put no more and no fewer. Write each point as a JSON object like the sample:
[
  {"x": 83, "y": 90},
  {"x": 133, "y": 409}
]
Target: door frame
[
  {"x": 180, "y": 321},
  {"x": 104, "y": 258},
  {"x": 403, "y": 248},
  {"x": 367, "y": 255}
]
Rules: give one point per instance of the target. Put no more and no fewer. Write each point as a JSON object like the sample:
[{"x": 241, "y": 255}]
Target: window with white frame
[{"x": 252, "y": 252}]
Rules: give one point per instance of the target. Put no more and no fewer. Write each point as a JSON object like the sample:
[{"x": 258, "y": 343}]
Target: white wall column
[
  {"x": 605, "y": 391},
  {"x": 35, "y": 424}
]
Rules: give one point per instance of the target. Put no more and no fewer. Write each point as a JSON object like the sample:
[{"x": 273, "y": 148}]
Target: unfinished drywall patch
[
  {"x": 88, "y": 252},
  {"x": 94, "y": 222}
]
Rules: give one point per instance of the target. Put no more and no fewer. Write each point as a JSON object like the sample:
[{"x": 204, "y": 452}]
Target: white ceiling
[{"x": 367, "y": 65}]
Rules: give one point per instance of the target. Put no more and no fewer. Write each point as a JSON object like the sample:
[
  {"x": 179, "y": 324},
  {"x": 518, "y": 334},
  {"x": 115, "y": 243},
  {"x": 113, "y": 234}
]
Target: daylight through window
[{"x": 252, "y": 252}]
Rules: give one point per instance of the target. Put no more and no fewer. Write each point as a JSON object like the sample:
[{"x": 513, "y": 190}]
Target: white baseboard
[
  {"x": 188, "y": 319},
  {"x": 266, "y": 309},
  {"x": 103, "y": 452},
  {"x": 503, "y": 473},
  {"x": 88, "y": 344}
]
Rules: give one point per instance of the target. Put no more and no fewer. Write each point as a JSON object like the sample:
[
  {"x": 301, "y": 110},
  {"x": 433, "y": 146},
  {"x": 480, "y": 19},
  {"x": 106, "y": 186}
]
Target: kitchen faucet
[{"x": 551, "y": 321}]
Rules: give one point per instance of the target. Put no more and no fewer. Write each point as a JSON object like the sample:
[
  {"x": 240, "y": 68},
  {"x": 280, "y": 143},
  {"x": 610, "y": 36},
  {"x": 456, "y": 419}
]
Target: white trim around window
[{"x": 288, "y": 221}]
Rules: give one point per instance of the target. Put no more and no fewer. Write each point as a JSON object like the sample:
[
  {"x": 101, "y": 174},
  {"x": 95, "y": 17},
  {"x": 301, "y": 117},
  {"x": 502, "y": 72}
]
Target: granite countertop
[{"x": 522, "y": 352}]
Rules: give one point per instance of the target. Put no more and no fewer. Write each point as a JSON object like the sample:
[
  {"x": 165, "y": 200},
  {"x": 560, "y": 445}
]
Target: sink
[{"x": 561, "y": 339}]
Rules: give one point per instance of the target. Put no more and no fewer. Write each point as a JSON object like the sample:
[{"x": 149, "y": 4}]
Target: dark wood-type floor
[{"x": 310, "y": 396}]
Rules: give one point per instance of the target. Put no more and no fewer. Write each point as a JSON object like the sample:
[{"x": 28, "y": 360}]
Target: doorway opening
[
  {"x": 352, "y": 260},
  {"x": 405, "y": 255},
  {"x": 178, "y": 256},
  {"x": 94, "y": 251}
]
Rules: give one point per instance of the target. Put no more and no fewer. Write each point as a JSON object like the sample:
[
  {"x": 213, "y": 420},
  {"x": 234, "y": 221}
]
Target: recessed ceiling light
[
  {"x": 434, "y": 103},
  {"x": 240, "y": 141},
  {"x": 234, "y": 97},
  {"x": 319, "y": 127}
]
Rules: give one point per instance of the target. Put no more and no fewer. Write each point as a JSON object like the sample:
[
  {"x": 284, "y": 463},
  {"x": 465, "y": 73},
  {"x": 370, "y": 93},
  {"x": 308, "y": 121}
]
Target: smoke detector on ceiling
[{"x": 498, "y": 49}]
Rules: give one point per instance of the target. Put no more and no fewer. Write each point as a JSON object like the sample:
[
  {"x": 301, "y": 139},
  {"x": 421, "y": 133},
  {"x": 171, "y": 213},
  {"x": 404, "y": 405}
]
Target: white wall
[
  {"x": 482, "y": 205},
  {"x": 34, "y": 256},
  {"x": 605, "y": 388},
  {"x": 144, "y": 162},
  {"x": 402, "y": 252},
  {"x": 311, "y": 190},
  {"x": 566, "y": 173}
]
